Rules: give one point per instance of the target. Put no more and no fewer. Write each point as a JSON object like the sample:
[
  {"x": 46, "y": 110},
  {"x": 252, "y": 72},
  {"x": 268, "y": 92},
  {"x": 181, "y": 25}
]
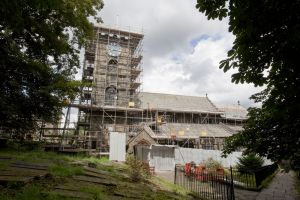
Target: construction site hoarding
[{"x": 117, "y": 146}]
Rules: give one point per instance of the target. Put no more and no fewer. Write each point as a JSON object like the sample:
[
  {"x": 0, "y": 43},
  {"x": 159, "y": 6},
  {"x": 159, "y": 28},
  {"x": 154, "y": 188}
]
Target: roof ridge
[
  {"x": 212, "y": 104},
  {"x": 173, "y": 94}
]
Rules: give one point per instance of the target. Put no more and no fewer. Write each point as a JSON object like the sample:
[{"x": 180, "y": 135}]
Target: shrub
[
  {"x": 250, "y": 162},
  {"x": 212, "y": 164},
  {"x": 295, "y": 163},
  {"x": 137, "y": 169},
  {"x": 24, "y": 145}
]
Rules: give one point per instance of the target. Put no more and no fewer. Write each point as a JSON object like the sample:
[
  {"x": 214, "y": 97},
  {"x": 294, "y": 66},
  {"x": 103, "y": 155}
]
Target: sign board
[{"x": 131, "y": 104}]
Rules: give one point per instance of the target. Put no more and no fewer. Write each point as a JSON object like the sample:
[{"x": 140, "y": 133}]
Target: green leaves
[
  {"x": 265, "y": 52},
  {"x": 250, "y": 162},
  {"x": 213, "y": 9},
  {"x": 39, "y": 54},
  {"x": 224, "y": 64}
]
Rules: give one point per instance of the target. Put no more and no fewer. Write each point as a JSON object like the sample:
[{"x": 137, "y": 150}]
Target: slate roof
[
  {"x": 234, "y": 112},
  {"x": 179, "y": 103},
  {"x": 235, "y": 129},
  {"x": 194, "y": 130}
]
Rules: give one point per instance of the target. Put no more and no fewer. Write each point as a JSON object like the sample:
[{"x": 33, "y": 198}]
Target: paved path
[
  {"x": 241, "y": 194},
  {"x": 281, "y": 188}
]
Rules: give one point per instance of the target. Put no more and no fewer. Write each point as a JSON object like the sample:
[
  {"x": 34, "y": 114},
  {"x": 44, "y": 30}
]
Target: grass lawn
[
  {"x": 63, "y": 168},
  {"x": 247, "y": 179}
]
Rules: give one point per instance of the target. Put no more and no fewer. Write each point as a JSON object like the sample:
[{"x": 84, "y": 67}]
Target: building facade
[{"x": 112, "y": 102}]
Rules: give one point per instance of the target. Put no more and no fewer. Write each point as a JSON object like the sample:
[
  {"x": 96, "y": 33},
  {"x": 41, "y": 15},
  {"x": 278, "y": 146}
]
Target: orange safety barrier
[
  {"x": 187, "y": 169},
  {"x": 200, "y": 173}
]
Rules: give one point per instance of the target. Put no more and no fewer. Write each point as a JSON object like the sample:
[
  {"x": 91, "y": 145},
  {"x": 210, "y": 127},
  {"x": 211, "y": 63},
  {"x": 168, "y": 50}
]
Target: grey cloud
[{"x": 169, "y": 27}]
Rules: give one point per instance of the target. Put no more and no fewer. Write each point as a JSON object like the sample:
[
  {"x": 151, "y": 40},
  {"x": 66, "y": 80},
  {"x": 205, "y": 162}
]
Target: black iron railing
[
  {"x": 207, "y": 184},
  {"x": 262, "y": 173},
  {"x": 252, "y": 179},
  {"x": 244, "y": 180}
]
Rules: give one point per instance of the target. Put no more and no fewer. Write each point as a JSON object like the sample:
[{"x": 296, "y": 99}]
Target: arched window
[
  {"x": 112, "y": 62},
  {"x": 112, "y": 65},
  {"x": 110, "y": 95}
]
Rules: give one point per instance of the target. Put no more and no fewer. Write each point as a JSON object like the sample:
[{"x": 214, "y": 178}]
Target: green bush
[
  {"x": 250, "y": 162},
  {"x": 137, "y": 169},
  {"x": 24, "y": 145},
  {"x": 212, "y": 164},
  {"x": 295, "y": 163}
]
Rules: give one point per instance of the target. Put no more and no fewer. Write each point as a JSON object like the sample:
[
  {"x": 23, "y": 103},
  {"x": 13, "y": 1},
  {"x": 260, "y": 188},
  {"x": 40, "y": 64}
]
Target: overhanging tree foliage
[
  {"x": 265, "y": 52},
  {"x": 39, "y": 54}
]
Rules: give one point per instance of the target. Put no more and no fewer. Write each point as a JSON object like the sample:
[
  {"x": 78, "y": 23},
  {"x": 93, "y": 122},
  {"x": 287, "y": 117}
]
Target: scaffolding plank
[
  {"x": 67, "y": 187},
  {"x": 98, "y": 171},
  {"x": 95, "y": 180},
  {"x": 28, "y": 166},
  {"x": 24, "y": 172},
  {"x": 93, "y": 174},
  {"x": 5, "y": 158},
  {"x": 4, "y": 180}
]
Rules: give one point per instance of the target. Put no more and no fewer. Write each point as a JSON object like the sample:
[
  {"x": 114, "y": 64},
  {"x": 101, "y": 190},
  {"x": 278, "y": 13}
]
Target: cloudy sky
[{"x": 182, "y": 48}]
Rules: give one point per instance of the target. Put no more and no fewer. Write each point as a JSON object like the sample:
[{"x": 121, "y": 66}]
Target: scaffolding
[
  {"x": 112, "y": 101},
  {"x": 113, "y": 66},
  {"x": 112, "y": 70}
]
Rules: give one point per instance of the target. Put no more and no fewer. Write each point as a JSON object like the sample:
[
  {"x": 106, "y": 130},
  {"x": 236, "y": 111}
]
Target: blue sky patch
[{"x": 196, "y": 40}]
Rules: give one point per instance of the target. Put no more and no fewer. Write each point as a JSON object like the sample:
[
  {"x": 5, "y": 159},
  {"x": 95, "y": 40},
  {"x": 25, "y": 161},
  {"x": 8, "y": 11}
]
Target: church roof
[
  {"x": 233, "y": 112},
  {"x": 177, "y": 103},
  {"x": 195, "y": 130}
]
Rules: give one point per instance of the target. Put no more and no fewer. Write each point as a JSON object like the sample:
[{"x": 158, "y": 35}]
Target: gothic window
[
  {"x": 110, "y": 95},
  {"x": 112, "y": 65}
]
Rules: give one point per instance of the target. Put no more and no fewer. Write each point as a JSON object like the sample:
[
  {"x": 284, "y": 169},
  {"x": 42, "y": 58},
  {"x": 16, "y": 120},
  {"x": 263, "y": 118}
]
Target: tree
[
  {"x": 265, "y": 52},
  {"x": 39, "y": 55},
  {"x": 249, "y": 163}
]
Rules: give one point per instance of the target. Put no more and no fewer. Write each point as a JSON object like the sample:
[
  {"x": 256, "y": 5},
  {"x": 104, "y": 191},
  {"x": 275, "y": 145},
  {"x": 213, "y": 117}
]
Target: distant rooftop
[
  {"x": 234, "y": 112},
  {"x": 179, "y": 103}
]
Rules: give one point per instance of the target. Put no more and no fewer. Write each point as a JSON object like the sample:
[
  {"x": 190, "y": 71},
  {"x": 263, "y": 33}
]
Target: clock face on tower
[{"x": 114, "y": 49}]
